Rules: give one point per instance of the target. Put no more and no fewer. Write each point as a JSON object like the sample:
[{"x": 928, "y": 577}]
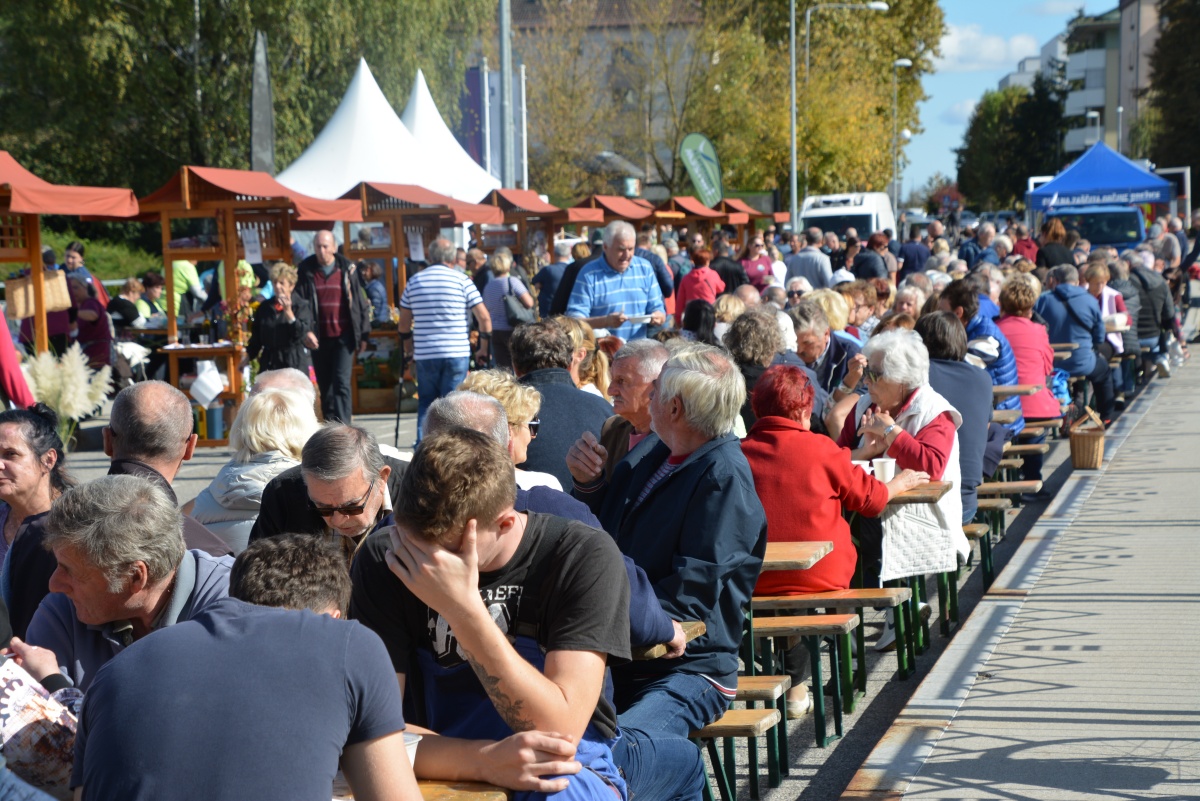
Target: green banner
[{"x": 700, "y": 158}]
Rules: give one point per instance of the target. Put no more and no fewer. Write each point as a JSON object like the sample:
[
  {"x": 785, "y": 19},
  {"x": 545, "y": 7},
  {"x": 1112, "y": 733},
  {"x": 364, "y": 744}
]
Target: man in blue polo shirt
[{"x": 618, "y": 286}]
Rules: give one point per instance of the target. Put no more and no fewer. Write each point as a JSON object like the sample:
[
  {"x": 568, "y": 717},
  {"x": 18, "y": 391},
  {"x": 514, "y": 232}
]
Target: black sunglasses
[
  {"x": 349, "y": 510},
  {"x": 795, "y": 293},
  {"x": 534, "y": 424}
]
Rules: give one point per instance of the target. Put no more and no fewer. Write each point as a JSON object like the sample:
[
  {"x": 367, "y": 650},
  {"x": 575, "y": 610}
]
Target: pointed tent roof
[
  {"x": 1101, "y": 176},
  {"x": 459, "y": 176},
  {"x": 364, "y": 140}
]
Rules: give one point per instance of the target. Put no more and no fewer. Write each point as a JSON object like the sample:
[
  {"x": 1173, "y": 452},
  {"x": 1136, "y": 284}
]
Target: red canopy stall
[
  {"x": 738, "y": 214},
  {"x": 524, "y": 209},
  {"x": 687, "y": 209},
  {"x": 616, "y": 207},
  {"x": 23, "y": 198}
]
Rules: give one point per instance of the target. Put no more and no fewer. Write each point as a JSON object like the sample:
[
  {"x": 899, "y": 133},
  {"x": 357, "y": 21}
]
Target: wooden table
[
  {"x": 1113, "y": 328},
  {"x": 1006, "y": 416},
  {"x": 1064, "y": 345},
  {"x": 931, "y": 492},
  {"x": 1007, "y": 391},
  {"x": 794, "y": 555},
  {"x": 226, "y": 352},
  {"x": 434, "y": 790},
  {"x": 691, "y": 630}
]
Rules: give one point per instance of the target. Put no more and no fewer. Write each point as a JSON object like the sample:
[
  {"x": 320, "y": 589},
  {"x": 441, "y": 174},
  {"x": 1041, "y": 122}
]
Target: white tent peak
[
  {"x": 364, "y": 140},
  {"x": 462, "y": 178}
]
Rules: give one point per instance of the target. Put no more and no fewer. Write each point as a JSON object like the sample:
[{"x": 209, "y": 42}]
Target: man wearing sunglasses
[{"x": 343, "y": 487}]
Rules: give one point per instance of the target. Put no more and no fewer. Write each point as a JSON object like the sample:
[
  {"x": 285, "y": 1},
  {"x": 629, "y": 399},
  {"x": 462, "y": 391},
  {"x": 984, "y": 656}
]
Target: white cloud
[
  {"x": 966, "y": 48},
  {"x": 1055, "y": 8},
  {"x": 959, "y": 113}
]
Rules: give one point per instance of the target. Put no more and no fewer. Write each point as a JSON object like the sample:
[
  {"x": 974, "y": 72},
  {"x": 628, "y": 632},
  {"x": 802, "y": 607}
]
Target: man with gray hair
[
  {"x": 123, "y": 572},
  {"x": 618, "y": 291},
  {"x": 329, "y": 282},
  {"x": 549, "y": 277},
  {"x": 343, "y": 488},
  {"x": 834, "y": 360},
  {"x": 810, "y": 262},
  {"x": 688, "y": 515},
  {"x": 149, "y": 434},
  {"x": 433, "y": 326}
]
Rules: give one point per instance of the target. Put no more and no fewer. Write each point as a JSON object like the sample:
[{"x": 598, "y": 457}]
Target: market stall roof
[
  {"x": 690, "y": 207},
  {"x": 29, "y": 194},
  {"x": 527, "y": 203},
  {"x": 1101, "y": 176},
  {"x": 456, "y": 174},
  {"x": 211, "y": 187},
  {"x": 401, "y": 196},
  {"x": 364, "y": 140},
  {"x": 615, "y": 206},
  {"x": 738, "y": 211}
]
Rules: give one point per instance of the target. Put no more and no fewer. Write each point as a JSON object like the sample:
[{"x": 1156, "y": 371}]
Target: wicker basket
[
  {"x": 1087, "y": 443},
  {"x": 19, "y": 294}
]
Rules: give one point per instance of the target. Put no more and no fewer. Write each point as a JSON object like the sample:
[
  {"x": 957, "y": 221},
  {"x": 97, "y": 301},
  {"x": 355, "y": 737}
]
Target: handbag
[
  {"x": 514, "y": 311},
  {"x": 19, "y": 294}
]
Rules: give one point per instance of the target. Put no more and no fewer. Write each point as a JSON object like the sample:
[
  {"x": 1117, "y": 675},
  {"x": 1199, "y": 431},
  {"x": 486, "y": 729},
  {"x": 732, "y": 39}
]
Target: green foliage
[
  {"x": 1174, "y": 67},
  {"x": 117, "y": 92},
  {"x": 1013, "y": 133},
  {"x": 105, "y": 259}
]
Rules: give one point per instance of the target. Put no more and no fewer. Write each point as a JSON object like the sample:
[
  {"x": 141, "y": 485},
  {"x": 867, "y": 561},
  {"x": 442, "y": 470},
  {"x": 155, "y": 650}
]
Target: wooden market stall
[
  {"x": 399, "y": 221},
  {"x": 213, "y": 214},
  {"x": 526, "y": 211},
  {"x": 616, "y": 207},
  {"x": 23, "y": 199},
  {"x": 739, "y": 214},
  {"x": 687, "y": 210}
]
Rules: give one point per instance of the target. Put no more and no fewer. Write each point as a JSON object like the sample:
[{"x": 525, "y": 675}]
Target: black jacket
[
  {"x": 1133, "y": 307},
  {"x": 277, "y": 343},
  {"x": 353, "y": 293},
  {"x": 869, "y": 264},
  {"x": 30, "y": 567},
  {"x": 1157, "y": 312},
  {"x": 285, "y": 508},
  {"x": 731, "y": 272},
  {"x": 566, "y": 413}
]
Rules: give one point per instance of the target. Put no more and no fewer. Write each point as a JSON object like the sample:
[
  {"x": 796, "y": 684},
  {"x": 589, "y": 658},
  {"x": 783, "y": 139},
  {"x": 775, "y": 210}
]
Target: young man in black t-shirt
[{"x": 505, "y": 622}]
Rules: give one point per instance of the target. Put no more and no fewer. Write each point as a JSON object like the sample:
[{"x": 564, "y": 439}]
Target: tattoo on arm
[{"x": 509, "y": 709}]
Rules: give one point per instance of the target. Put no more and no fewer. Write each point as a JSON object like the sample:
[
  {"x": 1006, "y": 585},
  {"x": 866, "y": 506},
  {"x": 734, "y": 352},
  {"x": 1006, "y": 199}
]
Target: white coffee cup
[
  {"x": 410, "y": 745},
  {"x": 885, "y": 469},
  {"x": 863, "y": 465}
]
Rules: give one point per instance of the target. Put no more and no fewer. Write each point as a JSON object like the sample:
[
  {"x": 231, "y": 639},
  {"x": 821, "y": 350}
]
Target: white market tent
[
  {"x": 460, "y": 176},
  {"x": 364, "y": 140}
]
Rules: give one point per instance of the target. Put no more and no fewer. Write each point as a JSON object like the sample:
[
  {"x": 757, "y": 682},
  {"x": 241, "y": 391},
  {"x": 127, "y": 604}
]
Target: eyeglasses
[
  {"x": 349, "y": 510},
  {"x": 871, "y": 375},
  {"x": 756, "y": 244},
  {"x": 534, "y": 424},
  {"x": 795, "y": 293}
]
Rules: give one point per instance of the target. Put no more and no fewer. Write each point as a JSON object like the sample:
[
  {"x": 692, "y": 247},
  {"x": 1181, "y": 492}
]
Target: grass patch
[{"x": 104, "y": 259}]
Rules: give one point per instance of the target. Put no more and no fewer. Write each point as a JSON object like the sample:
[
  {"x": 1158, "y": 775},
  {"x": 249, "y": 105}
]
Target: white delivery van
[{"x": 865, "y": 212}]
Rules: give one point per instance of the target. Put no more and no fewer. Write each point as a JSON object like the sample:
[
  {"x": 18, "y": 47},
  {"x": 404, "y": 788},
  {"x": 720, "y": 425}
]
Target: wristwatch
[{"x": 887, "y": 431}]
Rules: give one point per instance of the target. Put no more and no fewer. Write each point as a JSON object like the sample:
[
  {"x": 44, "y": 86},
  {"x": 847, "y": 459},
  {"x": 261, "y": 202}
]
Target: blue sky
[{"x": 984, "y": 41}]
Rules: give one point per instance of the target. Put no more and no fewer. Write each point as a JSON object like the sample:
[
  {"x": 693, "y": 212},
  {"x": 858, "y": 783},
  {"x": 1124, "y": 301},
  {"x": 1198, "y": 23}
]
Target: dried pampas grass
[{"x": 68, "y": 386}]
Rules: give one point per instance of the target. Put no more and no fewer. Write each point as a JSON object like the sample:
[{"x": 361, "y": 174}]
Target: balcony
[
  {"x": 1081, "y": 101},
  {"x": 1079, "y": 63}
]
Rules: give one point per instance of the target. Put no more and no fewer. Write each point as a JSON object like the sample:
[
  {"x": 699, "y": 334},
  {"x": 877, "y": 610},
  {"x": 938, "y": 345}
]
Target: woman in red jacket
[
  {"x": 702, "y": 283},
  {"x": 804, "y": 481}
]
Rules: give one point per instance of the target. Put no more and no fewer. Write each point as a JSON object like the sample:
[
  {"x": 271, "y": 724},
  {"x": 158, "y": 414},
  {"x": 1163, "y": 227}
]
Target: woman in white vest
[{"x": 903, "y": 418}]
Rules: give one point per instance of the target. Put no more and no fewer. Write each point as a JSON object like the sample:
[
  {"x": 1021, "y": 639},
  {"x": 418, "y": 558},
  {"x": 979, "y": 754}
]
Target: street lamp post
[
  {"x": 873, "y": 6},
  {"x": 1120, "y": 112},
  {"x": 897, "y": 65}
]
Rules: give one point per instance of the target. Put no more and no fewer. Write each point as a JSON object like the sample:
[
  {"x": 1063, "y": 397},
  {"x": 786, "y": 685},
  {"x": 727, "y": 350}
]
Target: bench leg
[
  {"x": 779, "y": 750},
  {"x": 953, "y": 581},
  {"x": 846, "y": 666},
  {"x": 818, "y": 689},
  {"x": 723, "y": 787},
  {"x": 943, "y": 580},
  {"x": 860, "y": 638},
  {"x": 985, "y": 560},
  {"x": 909, "y": 613}
]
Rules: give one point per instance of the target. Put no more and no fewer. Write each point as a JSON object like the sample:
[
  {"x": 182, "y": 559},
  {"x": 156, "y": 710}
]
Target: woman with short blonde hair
[
  {"x": 589, "y": 365},
  {"x": 521, "y": 403}
]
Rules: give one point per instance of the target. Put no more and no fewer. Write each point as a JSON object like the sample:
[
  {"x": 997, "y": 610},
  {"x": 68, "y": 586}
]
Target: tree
[
  {"x": 990, "y": 150},
  {"x": 1174, "y": 65},
  {"x": 123, "y": 92}
]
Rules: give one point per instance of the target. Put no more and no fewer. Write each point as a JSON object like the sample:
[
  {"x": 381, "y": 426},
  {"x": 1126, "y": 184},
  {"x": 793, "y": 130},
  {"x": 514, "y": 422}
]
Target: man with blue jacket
[
  {"x": 688, "y": 515},
  {"x": 1073, "y": 315}
]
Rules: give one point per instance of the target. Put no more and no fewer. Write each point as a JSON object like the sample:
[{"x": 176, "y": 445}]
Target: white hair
[
  {"x": 272, "y": 420},
  {"x": 799, "y": 282},
  {"x": 285, "y": 378},
  {"x": 562, "y": 250},
  {"x": 899, "y": 355},
  {"x": 649, "y": 355},
  {"x": 915, "y": 292},
  {"x": 618, "y": 229},
  {"x": 710, "y": 386}
]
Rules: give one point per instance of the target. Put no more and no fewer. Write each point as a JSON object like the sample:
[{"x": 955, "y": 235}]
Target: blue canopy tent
[{"x": 1100, "y": 176}]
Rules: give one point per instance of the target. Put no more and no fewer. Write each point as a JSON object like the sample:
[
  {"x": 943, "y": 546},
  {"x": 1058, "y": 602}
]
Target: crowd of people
[{"x": 604, "y": 474}]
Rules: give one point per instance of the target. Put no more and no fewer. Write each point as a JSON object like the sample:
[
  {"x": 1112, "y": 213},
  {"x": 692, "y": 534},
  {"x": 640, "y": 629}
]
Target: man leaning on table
[{"x": 500, "y": 622}]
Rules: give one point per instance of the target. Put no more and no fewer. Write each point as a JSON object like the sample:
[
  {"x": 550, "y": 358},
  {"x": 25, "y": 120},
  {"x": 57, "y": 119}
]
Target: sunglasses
[
  {"x": 795, "y": 293},
  {"x": 871, "y": 375},
  {"x": 534, "y": 425},
  {"x": 349, "y": 510}
]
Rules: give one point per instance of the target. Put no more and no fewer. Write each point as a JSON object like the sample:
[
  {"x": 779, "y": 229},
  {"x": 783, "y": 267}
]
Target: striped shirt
[
  {"x": 601, "y": 290},
  {"x": 440, "y": 300}
]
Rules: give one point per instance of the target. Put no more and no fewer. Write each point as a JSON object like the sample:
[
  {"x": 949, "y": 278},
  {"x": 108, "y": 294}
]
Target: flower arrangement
[{"x": 68, "y": 386}]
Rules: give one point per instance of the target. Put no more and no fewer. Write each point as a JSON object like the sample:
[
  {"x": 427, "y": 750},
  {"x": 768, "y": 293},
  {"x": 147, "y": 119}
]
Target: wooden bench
[
  {"x": 735, "y": 723},
  {"x": 1006, "y": 416},
  {"x": 859, "y": 599},
  {"x": 993, "y": 489},
  {"x": 1024, "y": 449},
  {"x": 811, "y": 629},
  {"x": 691, "y": 630},
  {"x": 1007, "y": 468},
  {"x": 981, "y": 533},
  {"x": 1038, "y": 427},
  {"x": 769, "y": 691},
  {"x": 995, "y": 508}
]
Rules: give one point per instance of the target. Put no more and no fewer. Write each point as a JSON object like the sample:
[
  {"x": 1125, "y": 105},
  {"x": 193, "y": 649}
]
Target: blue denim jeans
[
  {"x": 437, "y": 378},
  {"x": 658, "y": 760}
]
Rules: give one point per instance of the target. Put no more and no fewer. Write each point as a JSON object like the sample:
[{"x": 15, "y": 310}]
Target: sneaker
[
  {"x": 887, "y": 640},
  {"x": 1164, "y": 367},
  {"x": 799, "y": 707},
  {"x": 925, "y": 611}
]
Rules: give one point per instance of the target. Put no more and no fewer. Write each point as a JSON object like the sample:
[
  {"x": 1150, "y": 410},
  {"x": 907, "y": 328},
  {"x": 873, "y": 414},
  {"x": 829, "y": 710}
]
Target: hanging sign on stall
[
  {"x": 416, "y": 245},
  {"x": 252, "y": 245}
]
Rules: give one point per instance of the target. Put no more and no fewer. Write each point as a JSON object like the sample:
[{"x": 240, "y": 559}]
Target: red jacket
[
  {"x": 1026, "y": 249},
  {"x": 1035, "y": 360},
  {"x": 804, "y": 481},
  {"x": 702, "y": 283}
]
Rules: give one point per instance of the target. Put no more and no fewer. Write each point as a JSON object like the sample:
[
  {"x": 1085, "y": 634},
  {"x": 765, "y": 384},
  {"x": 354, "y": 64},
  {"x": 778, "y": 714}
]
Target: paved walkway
[{"x": 1078, "y": 675}]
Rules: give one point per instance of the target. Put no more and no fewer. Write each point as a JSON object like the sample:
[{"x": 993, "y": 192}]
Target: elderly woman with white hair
[
  {"x": 267, "y": 437},
  {"x": 909, "y": 300},
  {"x": 903, "y": 418}
]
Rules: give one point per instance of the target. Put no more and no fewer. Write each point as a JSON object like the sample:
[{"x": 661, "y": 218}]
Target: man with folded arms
[{"x": 505, "y": 621}]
